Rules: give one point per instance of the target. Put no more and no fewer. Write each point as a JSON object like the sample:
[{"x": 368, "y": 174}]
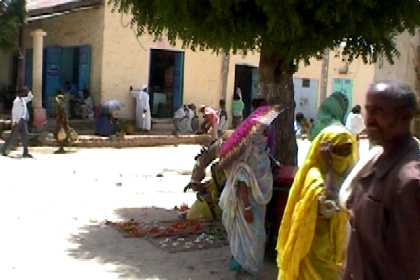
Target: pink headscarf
[{"x": 264, "y": 115}]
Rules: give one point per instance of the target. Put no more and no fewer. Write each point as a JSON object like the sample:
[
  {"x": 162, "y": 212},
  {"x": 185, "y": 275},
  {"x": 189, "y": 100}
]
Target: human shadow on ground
[{"x": 137, "y": 258}]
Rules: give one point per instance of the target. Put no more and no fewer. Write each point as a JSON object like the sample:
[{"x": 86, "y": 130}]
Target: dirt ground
[{"x": 53, "y": 210}]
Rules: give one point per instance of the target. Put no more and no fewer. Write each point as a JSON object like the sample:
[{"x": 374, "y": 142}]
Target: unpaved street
[{"x": 53, "y": 210}]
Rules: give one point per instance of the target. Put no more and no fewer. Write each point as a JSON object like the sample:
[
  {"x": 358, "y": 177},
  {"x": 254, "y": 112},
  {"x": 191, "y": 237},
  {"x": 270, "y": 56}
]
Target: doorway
[
  {"x": 345, "y": 86},
  {"x": 61, "y": 65},
  {"x": 166, "y": 82},
  {"x": 247, "y": 79}
]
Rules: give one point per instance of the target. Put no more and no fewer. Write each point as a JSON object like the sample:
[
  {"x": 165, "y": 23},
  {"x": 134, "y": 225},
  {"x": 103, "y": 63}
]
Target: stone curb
[{"x": 93, "y": 141}]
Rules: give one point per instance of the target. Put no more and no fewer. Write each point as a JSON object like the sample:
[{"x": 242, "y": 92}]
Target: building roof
[
  {"x": 42, "y": 8},
  {"x": 40, "y": 4}
]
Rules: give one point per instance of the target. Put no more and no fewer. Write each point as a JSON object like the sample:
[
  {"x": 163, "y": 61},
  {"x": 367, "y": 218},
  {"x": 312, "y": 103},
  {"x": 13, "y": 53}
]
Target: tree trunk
[{"x": 277, "y": 86}]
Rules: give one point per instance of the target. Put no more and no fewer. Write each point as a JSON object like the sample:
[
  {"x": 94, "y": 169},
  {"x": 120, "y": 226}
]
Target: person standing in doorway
[
  {"x": 20, "y": 117},
  {"x": 384, "y": 200},
  {"x": 237, "y": 108},
  {"x": 143, "y": 116}
]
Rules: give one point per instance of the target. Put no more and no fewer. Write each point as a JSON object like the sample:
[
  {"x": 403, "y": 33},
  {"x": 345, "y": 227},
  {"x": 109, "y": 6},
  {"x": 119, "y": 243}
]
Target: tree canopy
[
  {"x": 298, "y": 29},
  {"x": 12, "y": 16},
  {"x": 283, "y": 31}
]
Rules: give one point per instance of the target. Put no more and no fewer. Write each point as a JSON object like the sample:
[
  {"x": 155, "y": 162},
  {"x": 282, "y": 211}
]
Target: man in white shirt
[
  {"x": 354, "y": 122},
  {"x": 20, "y": 117}
]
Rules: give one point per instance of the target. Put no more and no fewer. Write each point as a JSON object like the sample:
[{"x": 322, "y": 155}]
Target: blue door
[
  {"x": 84, "y": 67},
  {"x": 52, "y": 77},
  {"x": 28, "y": 68},
  {"x": 256, "y": 91},
  {"x": 67, "y": 65},
  {"x": 346, "y": 87},
  {"x": 178, "y": 81}
]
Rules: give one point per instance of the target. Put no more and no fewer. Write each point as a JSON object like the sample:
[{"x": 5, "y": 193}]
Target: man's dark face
[
  {"x": 23, "y": 92},
  {"x": 383, "y": 118}
]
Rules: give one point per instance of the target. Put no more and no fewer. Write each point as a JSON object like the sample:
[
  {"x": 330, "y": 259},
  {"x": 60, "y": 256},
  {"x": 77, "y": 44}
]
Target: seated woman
[
  {"x": 313, "y": 232},
  {"x": 206, "y": 206},
  {"x": 106, "y": 123},
  {"x": 208, "y": 193}
]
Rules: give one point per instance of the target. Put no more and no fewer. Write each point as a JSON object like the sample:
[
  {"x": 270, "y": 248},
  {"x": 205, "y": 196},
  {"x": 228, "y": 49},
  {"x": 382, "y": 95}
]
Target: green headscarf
[{"x": 332, "y": 110}]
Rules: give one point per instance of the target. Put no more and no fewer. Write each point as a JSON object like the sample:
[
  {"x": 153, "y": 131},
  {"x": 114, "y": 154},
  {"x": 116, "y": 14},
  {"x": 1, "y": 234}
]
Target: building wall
[
  {"x": 404, "y": 67},
  {"x": 311, "y": 71},
  {"x": 362, "y": 75},
  {"x": 5, "y": 68},
  {"x": 127, "y": 61},
  {"x": 251, "y": 59},
  {"x": 79, "y": 28}
]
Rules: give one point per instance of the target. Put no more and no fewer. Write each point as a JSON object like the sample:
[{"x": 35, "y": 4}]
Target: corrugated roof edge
[{"x": 62, "y": 8}]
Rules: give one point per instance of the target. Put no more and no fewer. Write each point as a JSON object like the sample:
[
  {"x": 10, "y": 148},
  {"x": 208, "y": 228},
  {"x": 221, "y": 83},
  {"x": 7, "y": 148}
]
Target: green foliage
[
  {"x": 294, "y": 29},
  {"x": 12, "y": 16}
]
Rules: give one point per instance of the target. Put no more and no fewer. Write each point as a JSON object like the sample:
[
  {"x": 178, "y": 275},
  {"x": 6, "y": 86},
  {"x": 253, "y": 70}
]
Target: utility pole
[{"x": 224, "y": 74}]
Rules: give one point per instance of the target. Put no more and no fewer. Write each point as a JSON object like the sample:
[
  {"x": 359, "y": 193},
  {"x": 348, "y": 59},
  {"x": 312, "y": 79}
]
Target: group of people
[
  {"x": 63, "y": 133},
  {"x": 331, "y": 108},
  {"x": 77, "y": 103},
  {"x": 344, "y": 218},
  {"x": 357, "y": 221},
  {"x": 215, "y": 121}
]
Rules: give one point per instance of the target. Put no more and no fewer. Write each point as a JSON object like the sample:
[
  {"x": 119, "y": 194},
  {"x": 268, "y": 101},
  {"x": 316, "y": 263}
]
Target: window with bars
[{"x": 306, "y": 83}]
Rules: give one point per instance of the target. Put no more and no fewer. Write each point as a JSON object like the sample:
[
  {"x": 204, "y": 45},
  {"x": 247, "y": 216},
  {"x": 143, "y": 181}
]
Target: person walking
[
  {"x": 383, "y": 195},
  {"x": 248, "y": 189},
  {"x": 312, "y": 236},
  {"x": 64, "y": 134},
  {"x": 20, "y": 117},
  {"x": 332, "y": 110}
]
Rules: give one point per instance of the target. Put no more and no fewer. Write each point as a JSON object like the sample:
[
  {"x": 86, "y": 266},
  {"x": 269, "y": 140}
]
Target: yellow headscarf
[{"x": 298, "y": 225}]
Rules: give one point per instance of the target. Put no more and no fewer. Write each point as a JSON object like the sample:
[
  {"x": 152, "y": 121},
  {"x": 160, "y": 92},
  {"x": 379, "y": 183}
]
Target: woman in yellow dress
[{"x": 313, "y": 233}]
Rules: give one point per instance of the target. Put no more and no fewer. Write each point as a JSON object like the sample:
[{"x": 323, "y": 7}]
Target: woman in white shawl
[{"x": 247, "y": 191}]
